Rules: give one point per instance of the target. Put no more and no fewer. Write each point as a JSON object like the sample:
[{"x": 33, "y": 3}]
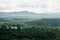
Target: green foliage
[
  {"x": 29, "y": 32},
  {"x": 23, "y": 29}
]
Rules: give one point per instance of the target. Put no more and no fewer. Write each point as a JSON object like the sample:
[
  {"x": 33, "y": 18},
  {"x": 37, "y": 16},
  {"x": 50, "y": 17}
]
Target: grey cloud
[
  {"x": 5, "y": 8},
  {"x": 27, "y": 5},
  {"x": 33, "y": 6},
  {"x": 40, "y": 4}
]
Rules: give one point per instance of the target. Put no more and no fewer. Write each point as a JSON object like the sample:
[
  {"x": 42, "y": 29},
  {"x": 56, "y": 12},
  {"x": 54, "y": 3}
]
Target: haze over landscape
[
  {"x": 30, "y": 14},
  {"x": 29, "y": 19}
]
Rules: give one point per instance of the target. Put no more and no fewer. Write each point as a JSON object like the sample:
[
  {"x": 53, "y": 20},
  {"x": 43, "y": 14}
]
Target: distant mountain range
[{"x": 29, "y": 14}]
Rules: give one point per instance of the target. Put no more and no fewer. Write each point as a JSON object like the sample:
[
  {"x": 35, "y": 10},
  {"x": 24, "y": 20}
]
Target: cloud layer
[{"x": 37, "y": 6}]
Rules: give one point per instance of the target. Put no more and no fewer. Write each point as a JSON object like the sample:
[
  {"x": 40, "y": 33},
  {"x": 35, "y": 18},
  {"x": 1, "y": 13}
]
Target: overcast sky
[{"x": 37, "y": 6}]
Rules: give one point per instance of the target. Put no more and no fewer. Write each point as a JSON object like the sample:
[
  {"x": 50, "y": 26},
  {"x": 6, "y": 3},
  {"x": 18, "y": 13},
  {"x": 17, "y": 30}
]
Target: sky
[{"x": 37, "y": 6}]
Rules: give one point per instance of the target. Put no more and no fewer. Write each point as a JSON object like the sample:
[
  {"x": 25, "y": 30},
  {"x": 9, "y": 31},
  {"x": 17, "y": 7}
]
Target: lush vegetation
[{"x": 33, "y": 30}]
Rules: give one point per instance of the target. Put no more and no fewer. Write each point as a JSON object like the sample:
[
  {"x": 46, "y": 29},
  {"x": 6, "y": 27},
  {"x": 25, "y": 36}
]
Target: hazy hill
[
  {"x": 45, "y": 18},
  {"x": 26, "y": 14}
]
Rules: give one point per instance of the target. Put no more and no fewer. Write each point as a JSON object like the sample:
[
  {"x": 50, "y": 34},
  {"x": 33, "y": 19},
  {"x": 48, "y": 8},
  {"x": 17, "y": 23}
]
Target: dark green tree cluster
[{"x": 28, "y": 33}]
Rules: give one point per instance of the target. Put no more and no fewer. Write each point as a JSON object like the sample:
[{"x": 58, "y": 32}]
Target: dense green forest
[{"x": 43, "y": 29}]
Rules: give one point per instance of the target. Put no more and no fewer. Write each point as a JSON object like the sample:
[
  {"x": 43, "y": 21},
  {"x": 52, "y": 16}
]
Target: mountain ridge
[{"x": 30, "y": 14}]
